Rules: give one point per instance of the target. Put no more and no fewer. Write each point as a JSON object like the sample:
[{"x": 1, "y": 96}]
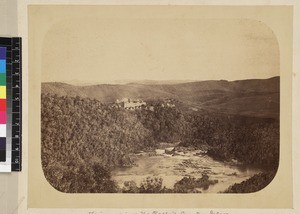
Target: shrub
[
  {"x": 151, "y": 185},
  {"x": 130, "y": 187},
  {"x": 190, "y": 184}
]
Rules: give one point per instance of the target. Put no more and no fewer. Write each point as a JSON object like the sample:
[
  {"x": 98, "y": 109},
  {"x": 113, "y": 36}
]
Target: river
[{"x": 173, "y": 168}]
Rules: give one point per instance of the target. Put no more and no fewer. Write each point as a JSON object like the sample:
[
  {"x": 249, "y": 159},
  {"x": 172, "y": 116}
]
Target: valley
[{"x": 195, "y": 137}]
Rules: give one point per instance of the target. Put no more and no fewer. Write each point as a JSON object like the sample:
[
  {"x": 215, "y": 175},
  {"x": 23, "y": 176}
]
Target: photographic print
[{"x": 160, "y": 106}]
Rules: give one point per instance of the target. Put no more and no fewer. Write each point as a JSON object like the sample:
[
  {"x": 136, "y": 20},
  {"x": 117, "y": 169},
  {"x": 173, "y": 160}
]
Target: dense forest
[{"x": 84, "y": 139}]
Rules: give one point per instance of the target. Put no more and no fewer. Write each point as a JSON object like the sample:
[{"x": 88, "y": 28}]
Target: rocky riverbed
[{"x": 172, "y": 165}]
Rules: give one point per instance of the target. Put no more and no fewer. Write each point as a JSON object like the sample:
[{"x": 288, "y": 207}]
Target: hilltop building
[{"x": 130, "y": 104}]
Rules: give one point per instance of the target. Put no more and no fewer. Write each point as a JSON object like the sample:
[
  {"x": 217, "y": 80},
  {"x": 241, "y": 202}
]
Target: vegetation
[
  {"x": 84, "y": 139},
  {"x": 251, "y": 141},
  {"x": 151, "y": 185},
  {"x": 190, "y": 184},
  {"x": 154, "y": 185},
  {"x": 253, "y": 184},
  {"x": 82, "y": 135}
]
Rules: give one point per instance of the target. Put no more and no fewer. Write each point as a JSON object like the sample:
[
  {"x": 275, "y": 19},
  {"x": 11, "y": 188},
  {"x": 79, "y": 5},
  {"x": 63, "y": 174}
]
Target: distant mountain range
[{"x": 254, "y": 97}]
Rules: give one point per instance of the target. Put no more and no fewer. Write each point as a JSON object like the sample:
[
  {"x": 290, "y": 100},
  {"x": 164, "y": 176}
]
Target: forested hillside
[
  {"x": 83, "y": 139},
  {"x": 254, "y": 98}
]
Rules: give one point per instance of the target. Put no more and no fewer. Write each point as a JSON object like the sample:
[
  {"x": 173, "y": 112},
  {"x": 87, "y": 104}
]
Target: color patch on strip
[
  {"x": 2, "y": 117},
  {"x": 2, "y": 79},
  {"x": 2, "y": 92},
  {"x": 2, "y": 52},
  {"x": 2, "y": 149},
  {"x": 2, "y": 66},
  {"x": 2, "y": 130},
  {"x": 2, "y": 105},
  {"x": 2, "y": 143}
]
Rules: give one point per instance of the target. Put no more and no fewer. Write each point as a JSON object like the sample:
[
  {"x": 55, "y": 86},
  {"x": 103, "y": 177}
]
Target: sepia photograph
[
  {"x": 152, "y": 107},
  {"x": 160, "y": 106}
]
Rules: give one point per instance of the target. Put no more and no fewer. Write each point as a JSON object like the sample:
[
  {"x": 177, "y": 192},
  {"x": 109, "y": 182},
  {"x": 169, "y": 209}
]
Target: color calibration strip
[
  {"x": 2, "y": 104},
  {"x": 10, "y": 95},
  {"x": 5, "y": 158}
]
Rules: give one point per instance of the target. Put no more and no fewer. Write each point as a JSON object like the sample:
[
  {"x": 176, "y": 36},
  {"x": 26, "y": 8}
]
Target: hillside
[
  {"x": 256, "y": 97},
  {"x": 87, "y": 136}
]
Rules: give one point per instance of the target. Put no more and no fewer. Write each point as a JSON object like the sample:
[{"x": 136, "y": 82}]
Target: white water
[{"x": 174, "y": 168}]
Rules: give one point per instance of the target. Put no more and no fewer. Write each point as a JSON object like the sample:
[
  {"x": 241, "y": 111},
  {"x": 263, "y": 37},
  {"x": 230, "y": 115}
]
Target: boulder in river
[{"x": 170, "y": 150}]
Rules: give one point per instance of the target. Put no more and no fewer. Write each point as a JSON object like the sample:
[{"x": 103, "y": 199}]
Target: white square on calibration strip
[{"x": 2, "y": 130}]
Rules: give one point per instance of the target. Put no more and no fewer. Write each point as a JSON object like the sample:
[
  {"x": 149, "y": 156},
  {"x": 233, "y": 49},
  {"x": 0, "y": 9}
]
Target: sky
[{"x": 91, "y": 51}]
